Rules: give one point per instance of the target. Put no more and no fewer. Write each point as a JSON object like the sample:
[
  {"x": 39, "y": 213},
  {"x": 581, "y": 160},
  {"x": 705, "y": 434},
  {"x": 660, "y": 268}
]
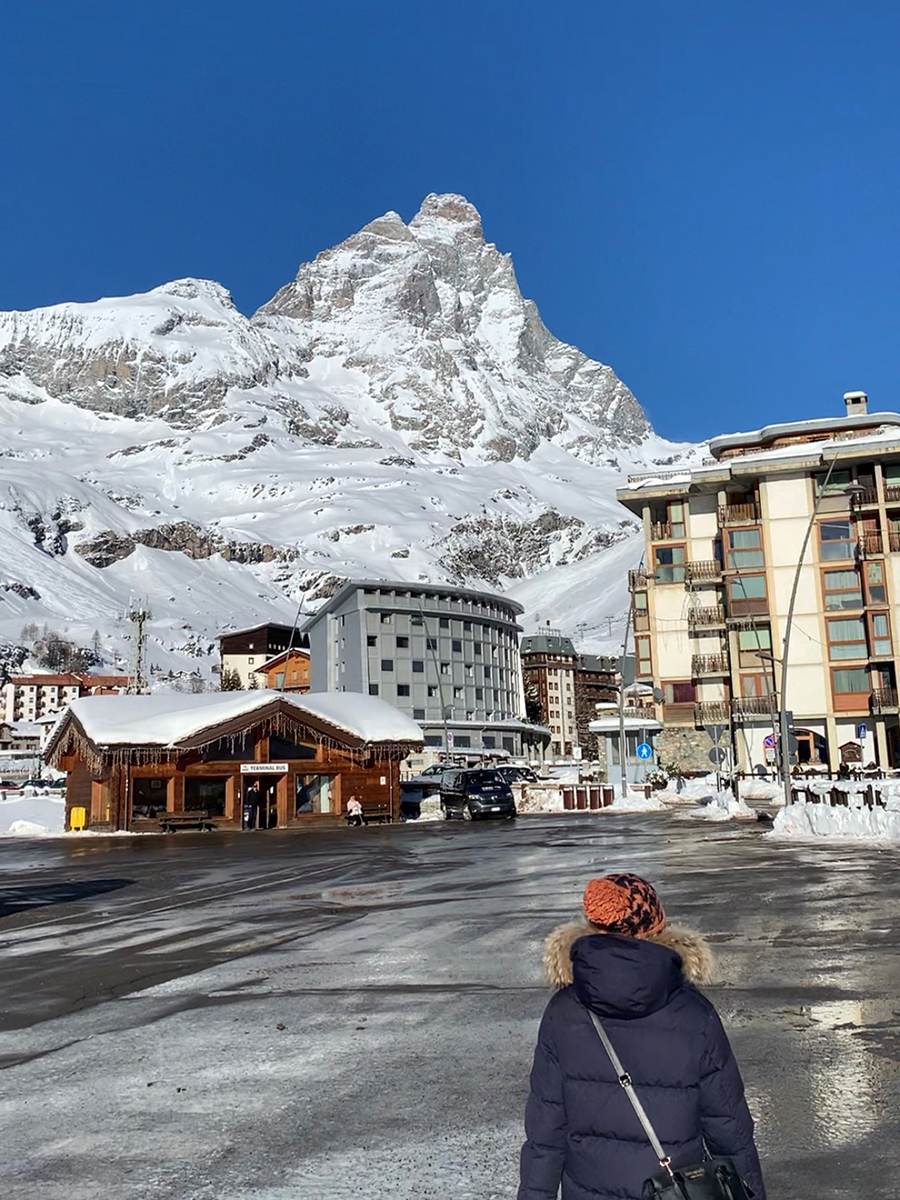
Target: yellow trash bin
[{"x": 77, "y": 819}]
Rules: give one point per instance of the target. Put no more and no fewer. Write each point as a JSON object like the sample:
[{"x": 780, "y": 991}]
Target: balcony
[
  {"x": 709, "y": 664},
  {"x": 883, "y": 700},
  {"x": 894, "y": 541},
  {"x": 703, "y": 571},
  {"x": 637, "y": 580},
  {"x": 640, "y": 712},
  {"x": 706, "y": 616},
  {"x": 660, "y": 531},
  {"x": 864, "y": 498},
  {"x": 711, "y": 712},
  {"x": 891, "y": 494},
  {"x": 752, "y": 707},
  {"x": 870, "y": 545},
  {"x": 679, "y": 714},
  {"x": 738, "y": 514}
]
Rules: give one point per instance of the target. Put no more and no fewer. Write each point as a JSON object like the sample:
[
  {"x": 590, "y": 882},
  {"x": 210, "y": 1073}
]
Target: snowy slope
[{"x": 397, "y": 411}]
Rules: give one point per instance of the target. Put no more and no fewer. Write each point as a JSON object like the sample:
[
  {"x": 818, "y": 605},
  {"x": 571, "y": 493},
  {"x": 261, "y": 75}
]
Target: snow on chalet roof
[{"x": 169, "y": 720}]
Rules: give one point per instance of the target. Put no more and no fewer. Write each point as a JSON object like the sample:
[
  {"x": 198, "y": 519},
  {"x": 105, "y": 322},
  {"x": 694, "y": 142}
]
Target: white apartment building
[
  {"x": 30, "y": 697},
  {"x": 722, "y": 544}
]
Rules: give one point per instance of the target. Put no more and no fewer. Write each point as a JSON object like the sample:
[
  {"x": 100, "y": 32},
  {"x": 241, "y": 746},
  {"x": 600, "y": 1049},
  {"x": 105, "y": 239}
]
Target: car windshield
[{"x": 485, "y": 779}]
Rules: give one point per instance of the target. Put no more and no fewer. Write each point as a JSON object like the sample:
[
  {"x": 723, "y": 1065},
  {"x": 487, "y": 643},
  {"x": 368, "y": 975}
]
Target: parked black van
[{"x": 476, "y": 793}]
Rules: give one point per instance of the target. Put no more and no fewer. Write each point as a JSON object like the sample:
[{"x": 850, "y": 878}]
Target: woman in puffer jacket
[{"x": 639, "y": 975}]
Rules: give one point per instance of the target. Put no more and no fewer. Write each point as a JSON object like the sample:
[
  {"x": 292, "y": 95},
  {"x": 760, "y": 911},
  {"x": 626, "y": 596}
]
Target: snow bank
[
  {"x": 635, "y": 801},
  {"x": 724, "y": 807},
  {"x": 535, "y": 798},
  {"x": 32, "y": 816},
  {"x": 801, "y": 822},
  {"x": 764, "y": 790}
]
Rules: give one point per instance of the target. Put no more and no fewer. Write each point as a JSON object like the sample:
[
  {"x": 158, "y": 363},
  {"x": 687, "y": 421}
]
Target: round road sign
[{"x": 645, "y": 750}]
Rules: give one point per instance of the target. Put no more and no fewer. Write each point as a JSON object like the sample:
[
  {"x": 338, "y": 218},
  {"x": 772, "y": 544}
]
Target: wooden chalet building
[
  {"x": 286, "y": 672},
  {"x": 141, "y": 762}
]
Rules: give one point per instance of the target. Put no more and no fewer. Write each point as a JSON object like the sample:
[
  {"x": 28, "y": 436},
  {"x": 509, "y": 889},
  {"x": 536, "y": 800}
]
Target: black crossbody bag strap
[{"x": 625, "y": 1080}]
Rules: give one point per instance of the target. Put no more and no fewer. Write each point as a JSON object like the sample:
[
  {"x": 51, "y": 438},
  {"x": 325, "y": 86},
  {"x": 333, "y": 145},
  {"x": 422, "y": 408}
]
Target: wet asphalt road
[{"x": 352, "y": 1014}]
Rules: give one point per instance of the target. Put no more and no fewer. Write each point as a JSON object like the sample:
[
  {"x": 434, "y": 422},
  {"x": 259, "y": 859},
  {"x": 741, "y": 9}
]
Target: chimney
[{"x": 857, "y": 403}]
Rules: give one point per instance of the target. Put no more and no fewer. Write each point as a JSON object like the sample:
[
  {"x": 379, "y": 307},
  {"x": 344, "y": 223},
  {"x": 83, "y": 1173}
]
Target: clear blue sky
[{"x": 703, "y": 193}]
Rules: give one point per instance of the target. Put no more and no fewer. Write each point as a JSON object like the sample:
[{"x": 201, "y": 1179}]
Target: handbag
[{"x": 713, "y": 1179}]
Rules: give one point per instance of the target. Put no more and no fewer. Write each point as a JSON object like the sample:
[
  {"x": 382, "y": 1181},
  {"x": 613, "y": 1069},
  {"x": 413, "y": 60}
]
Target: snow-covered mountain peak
[{"x": 397, "y": 410}]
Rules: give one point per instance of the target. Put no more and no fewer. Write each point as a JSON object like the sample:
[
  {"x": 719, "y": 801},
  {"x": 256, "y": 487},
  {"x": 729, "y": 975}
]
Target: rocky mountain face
[{"x": 398, "y": 410}]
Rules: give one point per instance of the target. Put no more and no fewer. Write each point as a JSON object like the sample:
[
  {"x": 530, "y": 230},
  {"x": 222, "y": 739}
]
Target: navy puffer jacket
[{"x": 581, "y": 1130}]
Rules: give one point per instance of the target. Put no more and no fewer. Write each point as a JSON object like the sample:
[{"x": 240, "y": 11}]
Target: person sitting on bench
[{"x": 355, "y": 814}]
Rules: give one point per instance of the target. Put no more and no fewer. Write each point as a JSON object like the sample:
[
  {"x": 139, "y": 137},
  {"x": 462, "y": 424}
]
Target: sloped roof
[{"x": 173, "y": 721}]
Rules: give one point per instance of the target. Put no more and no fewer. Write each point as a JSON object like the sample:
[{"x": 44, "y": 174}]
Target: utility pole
[{"x": 138, "y": 614}]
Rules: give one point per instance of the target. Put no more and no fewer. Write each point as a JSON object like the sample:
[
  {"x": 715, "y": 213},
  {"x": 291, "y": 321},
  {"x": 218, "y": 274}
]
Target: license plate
[{"x": 495, "y": 808}]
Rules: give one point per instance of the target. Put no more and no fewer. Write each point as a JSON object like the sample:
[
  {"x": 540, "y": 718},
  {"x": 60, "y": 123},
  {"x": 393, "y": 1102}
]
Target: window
[
  {"x": 445, "y": 668},
  {"x": 836, "y": 540},
  {"x": 750, "y": 643},
  {"x": 753, "y": 685},
  {"x": 463, "y": 740},
  {"x": 373, "y": 689},
  {"x": 419, "y": 715},
  {"x": 641, "y": 615},
  {"x": 431, "y": 643},
  {"x": 385, "y": 618},
  {"x": 838, "y": 481},
  {"x": 679, "y": 692},
  {"x": 676, "y": 520},
  {"x": 457, "y": 693},
  {"x": 843, "y": 589},
  {"x": 747, "y": 595},
  {"x": 744, "y": 548},
  {"x": 431, "y": 739},
  {"x": 479, "y": 693},
  {"x": 279, "y": 679},
  {"x": 644, "y": 657},
  {"x": 881, "y": 634},
  {"x": 415, "y": 620},
  {"x": 387, "y": 664},
  {"x": 669, "y": 564},
  {"x": 851, "y": 687},
  {"x": 489, "y": 742},
  {"x": 402, "y": 689},
  {"x": 432, "y": 690},
  {"x": 847, "y": 638},
  {"x": 250, "y": 661},
  {"x": 372, "y": 640},
  {"x": 445, "y": 622},
  {"x": 470, "y": 670},
  {"x": 476, "y": 646},
  {"x": 467, "y": 626},
  {"x": 402, "y": 643},
  {"x": 487, "y": 673},
  {"x": 457, "y": 646},
  {"x": 876, "y": 592}
]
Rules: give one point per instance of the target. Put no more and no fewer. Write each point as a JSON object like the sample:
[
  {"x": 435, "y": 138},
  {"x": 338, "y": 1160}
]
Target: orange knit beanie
[{"x": 624, "y": 904}]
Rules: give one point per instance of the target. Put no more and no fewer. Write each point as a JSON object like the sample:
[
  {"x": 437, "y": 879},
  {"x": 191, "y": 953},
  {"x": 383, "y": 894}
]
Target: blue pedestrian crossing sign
[{"x": 645, "y": 750}]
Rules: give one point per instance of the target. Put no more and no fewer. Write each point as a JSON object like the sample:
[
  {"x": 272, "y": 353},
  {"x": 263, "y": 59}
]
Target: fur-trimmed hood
[{"x": 690, "y": 946}]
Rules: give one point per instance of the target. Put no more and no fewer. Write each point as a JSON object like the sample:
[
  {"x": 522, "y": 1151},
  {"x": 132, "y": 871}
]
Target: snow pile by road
[
  {"x": 723, "y": 806},
  {"x": 803, "y": 821},
  {"x": 32, "y": 816},
  {"x": 635, "y": 801}
]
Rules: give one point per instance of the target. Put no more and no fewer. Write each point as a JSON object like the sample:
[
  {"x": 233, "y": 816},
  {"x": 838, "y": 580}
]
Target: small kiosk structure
[{"x": 261, "y": 759}]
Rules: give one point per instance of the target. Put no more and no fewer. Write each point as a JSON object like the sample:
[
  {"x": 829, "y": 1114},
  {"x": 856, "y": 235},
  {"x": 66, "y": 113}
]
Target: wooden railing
[
  {"x": 869, "y": 544},
  {"x": 706, "y": 616},
  {"x": 867, "y": 495},
  {"x": 711, "y": 712},
  {"x": 640, "y": 712},
  {"x": 637, "y": 580},
  {"x": 661, "y": 531},
  {"x": 752, "y": 706},
  {"x": 737, "y": 514},
  {"x": 894, "y": 540},
  {"x": 703, "y": 571},
  {"x": 709, "y": 664}
]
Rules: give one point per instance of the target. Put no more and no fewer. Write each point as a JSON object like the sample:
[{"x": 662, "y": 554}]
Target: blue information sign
[{"x": 645, "y": 750}]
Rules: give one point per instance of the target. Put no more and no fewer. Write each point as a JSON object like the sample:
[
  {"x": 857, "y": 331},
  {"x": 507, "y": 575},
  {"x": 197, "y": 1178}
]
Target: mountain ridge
[{"x": 398, "y": 409}]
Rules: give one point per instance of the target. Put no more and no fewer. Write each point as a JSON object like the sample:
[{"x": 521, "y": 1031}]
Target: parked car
[
  {"x": 518, "y": 774},
  {"x": 476, "y": 793},
  {"x": 59, "y": 784},
  {"x": 9, "y": 785}
]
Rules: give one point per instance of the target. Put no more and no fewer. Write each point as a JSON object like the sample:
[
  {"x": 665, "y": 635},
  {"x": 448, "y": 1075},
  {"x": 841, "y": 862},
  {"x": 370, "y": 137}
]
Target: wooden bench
[
  {"x": 172, "y": 822},
  {"x": 375, "y": 814}
]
